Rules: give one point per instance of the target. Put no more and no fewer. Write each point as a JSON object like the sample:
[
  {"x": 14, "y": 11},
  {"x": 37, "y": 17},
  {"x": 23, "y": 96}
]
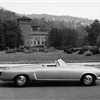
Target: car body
[{"x": 58, "y": 71}]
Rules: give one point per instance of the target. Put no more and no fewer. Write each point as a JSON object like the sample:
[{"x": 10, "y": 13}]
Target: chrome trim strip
[
  {"x": 60, "y": 79},
  {"x": 35, "y": 75}
]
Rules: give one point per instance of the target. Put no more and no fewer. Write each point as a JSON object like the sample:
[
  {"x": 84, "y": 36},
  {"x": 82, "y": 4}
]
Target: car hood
[{"x": 24, "y": 66}]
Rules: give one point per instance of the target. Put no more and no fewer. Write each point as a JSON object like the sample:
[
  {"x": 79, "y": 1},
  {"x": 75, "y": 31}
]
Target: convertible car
[{"x": 58, "y": 71}]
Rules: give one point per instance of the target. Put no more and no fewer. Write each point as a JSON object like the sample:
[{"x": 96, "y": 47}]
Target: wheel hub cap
[
  {"x": 21, "y": 80},
  {"x": 88, "y": 79}
]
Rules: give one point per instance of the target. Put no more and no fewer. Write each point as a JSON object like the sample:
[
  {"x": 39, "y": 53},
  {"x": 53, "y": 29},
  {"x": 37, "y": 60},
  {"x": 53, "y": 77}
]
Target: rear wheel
[
  {"x": 88, "y": 80},
  {"x": 21, "y": 80}
]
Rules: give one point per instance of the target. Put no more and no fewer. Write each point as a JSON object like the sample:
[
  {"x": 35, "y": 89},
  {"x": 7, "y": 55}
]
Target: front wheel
[
  {"x": 21, "y": 80},
  {"x": 88, "y": 80}
]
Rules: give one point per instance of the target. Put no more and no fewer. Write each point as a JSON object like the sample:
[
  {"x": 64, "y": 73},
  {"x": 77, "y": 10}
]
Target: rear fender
[{"x": 93, "y": 74}]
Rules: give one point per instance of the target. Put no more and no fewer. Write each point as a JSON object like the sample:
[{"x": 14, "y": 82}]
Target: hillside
[
  {"x": 65, "y": 18},
  {"x": 6, "y": 14}
]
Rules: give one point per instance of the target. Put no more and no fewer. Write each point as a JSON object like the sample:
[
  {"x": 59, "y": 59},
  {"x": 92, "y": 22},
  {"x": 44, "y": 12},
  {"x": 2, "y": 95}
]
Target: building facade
[
  {"x": 38, "y": 38},
  {"x": 32, "y": 35}
]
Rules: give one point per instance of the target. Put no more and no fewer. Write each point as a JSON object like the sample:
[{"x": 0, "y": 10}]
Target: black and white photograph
[{"x": 49, "y": 50}]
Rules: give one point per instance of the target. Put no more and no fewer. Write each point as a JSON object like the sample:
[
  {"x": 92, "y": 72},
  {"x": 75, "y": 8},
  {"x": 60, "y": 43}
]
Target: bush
[
  {"x": 65, "y": 50},
  {"x": 81, "y": 51},
  {"x": 69, "y": 51},
  {"x": 11, "y": 51},
  {"x": 75, "y": 49},
  {"x": 41, "y": 49},
  {"x": 45, "y": 50},
  {"x": 20, "y": 50},
  {"x": 52, "y": 49},
  {"x": 95, "y": 50},
  {"x": 27, "y": 51},
  {"x": 88, "y": 53},
  {"x": 35, "y": 49}
]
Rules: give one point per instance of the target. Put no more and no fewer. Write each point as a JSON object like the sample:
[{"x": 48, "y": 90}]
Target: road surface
[{"x": 50, "y": 91}]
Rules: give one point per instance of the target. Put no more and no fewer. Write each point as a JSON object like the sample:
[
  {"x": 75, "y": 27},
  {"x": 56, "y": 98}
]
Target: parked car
[{"x": 61, "y": 71}]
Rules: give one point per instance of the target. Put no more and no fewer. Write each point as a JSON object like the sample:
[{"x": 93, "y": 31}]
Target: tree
[
  {"x": 35, "y": 22},
  {"x": 2, "y": 40},
  {"x": 55, "y": 37},
  {"x": 62, "y": 37},
  {"x": 94, "y": 31},
  {"x": 70, "y": 37},
  {"x": 98, "y": 41},
  {"x": 82, "y": 36},
  {"x": 12, "y": 34},
  {"x": 20, "y": 39},
  {"x": 11, "y": 41}
]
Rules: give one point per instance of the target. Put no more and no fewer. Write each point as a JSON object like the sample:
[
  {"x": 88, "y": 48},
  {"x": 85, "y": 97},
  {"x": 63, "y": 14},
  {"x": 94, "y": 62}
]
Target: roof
[{"x": 24, "y": 17}]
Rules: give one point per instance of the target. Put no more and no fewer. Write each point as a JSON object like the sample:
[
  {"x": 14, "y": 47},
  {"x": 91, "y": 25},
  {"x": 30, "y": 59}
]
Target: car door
[
  {"x": 73, "y": 73},
  {"x": 51, "y": 73}
]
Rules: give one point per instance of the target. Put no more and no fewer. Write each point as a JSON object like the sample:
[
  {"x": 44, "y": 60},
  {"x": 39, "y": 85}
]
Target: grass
[{"x": 40, "y": 57}]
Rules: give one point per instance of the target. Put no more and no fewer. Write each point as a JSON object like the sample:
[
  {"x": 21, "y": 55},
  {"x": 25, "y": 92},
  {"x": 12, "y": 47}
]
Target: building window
[
  {"x": 37, "y": 38},
  {"x": 38, "y": 42},
  {"x": 34, "y": 42},
  {"x": 42, "y": 42}
]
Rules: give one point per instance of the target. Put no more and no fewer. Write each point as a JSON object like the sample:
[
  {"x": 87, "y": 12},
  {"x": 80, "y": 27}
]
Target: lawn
[{"x": 40, "y": 57}]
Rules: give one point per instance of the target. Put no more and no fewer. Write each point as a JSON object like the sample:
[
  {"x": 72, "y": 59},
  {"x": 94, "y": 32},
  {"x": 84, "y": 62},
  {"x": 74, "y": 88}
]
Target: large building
[
  {"x": 38, "y": 38},
  {"x": 32, "y": 35},
  {"x": 26, "y": 29}
]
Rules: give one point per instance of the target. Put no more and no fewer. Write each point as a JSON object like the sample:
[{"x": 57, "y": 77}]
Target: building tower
[{"x": 26, "y": 29}]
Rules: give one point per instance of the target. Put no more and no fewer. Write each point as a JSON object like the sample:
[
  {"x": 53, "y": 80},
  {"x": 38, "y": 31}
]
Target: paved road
[{"x": 50, "y": 91}]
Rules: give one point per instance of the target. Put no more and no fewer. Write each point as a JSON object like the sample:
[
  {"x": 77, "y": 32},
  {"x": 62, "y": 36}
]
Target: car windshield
[{"x": 61, "y": 63}]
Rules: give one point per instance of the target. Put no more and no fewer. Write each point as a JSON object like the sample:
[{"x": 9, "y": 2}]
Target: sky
[{"x": 85, "y": 9}]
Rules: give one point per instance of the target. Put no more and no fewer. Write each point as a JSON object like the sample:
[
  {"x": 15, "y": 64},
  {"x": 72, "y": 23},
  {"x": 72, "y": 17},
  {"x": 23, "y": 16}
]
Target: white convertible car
[{"x": 59, "y": 71}]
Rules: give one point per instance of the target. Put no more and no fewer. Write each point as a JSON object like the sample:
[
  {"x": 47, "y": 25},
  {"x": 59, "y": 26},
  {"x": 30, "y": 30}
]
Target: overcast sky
[{"x": 86, "y": 9}]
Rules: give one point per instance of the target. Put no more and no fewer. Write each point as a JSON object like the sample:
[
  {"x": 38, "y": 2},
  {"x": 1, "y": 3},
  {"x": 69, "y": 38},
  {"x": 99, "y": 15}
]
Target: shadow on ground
[{"x": 45, "y": 84}]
